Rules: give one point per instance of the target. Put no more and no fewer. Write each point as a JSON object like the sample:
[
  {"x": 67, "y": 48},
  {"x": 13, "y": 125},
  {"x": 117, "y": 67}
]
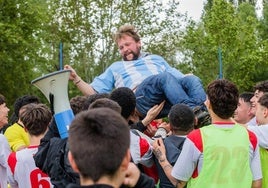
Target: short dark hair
[
  {"x": 2, "y": 99},
  {"x": 92, "y": 98},
  {"x": 105, "y": 102},
  {"x": 223, "y": 96},
  {"x": 77, "y": 103},
  {"x": 262, "y": 86},
  {"x": 35, "y": 118},
  {"x": 181, "y": 117},
  {"x": 98, "y": 140},
  {"x": 125, "y": 97},
  {"x": 263, "y": 100},
  {"x": 21, "y": 101},
  {"x": 246, "y": 96}
]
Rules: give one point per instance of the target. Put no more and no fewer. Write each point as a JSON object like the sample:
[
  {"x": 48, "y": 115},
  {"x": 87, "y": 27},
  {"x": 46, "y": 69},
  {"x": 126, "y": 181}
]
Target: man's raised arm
[{"x": 83, "y": 86}]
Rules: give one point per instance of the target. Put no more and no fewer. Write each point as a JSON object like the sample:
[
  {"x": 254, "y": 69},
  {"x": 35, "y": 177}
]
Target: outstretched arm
[
  {"x": 144, "y": 124},
  {"x": 83, "y": 86},
  {"x": 160, "y": 153},
  {"x": 152, "y": 113}
]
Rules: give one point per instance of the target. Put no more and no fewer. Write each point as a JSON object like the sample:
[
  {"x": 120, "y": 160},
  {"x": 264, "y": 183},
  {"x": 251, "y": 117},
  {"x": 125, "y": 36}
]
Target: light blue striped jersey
[{"x": 131, "y": 73}]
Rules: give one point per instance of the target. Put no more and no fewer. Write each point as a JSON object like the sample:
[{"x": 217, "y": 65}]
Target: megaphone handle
[{"x": 51, "y": 101}]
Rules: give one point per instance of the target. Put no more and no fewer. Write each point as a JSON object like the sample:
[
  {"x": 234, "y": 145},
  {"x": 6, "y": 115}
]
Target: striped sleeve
[
  {"x": 253, "y": 139},
  {"x": 187, "y": 164},
  {"x": 12, "y": 161},
  {"x": 196, "y": 138}
]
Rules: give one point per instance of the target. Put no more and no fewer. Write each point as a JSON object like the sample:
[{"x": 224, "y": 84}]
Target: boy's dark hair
[
  {"x": 35, "y": 118},
  {"x": 98, "y": 140},
  {"x": 92, "y": 98},
  {"x": 2, "y": 99},
  {"x": 181, "y": 118},
  {"x": 223, "y": 96},
  {"x": 20, "y": 102},
  {"x": 246, "y": 96},
  {"x": 263, "y": 100},
  {"x": 105, "y": 102},
  {"x": 262, "y": 86},
  {"x": 125, "y": 97},
  {"x": 77, "y": 103}
]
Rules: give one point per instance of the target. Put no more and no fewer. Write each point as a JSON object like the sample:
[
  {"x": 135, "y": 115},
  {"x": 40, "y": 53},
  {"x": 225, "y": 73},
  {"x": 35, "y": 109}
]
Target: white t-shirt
[
  {"x": 262, "y": 134},
  {"x": 4, "y": 153},
  {"x": 140, "y": 149},
  {"x": 252, "y": 122},
  {"x": 24, "y": 171}
]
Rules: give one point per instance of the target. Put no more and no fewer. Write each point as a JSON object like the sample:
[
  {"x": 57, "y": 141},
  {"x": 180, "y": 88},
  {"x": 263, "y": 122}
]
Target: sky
[{"x": 192, "y": 7}]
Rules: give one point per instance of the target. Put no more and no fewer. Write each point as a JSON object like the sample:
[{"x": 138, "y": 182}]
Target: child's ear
[
  {"x": 126, "y": 160},
  {"x": 72, "y": 162},
  {"x": 265, "y": 112},
  {"x": 207, "y": 104}
]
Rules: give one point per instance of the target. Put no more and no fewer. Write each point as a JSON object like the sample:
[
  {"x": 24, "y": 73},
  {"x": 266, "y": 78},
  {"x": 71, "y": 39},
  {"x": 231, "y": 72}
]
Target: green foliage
[
  {"x": 234, "y": 31},
  {"x": 32, "y": 30},
  {"x": 20, "y": 23},
  {"x": 85, "y": 27},
  {"x": 263, "y": 27}
]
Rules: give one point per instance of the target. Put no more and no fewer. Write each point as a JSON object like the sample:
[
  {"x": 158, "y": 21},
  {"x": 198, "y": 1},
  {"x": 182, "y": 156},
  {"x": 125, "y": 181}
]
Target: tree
[
  {"x": 85, "y": 27},
  {"x": 31, "y": 32},
  {"x": 20, "y": 25},
  {"x": 262, "y": 68},
  {"x": 234, "y": 31}
]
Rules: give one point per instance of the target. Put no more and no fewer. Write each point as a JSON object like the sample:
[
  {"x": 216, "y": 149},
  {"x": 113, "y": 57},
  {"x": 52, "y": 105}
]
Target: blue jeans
[{"x": 153, "y": 90}]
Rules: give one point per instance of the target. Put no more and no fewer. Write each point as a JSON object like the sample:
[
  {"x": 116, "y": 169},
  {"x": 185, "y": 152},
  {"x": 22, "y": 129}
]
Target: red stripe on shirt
[
  {"x": 253, "y": 139},
  {"x": 144, "y": 146},
  {"x": 12, "y": 161},
  {"x": 195, "y": 137}
]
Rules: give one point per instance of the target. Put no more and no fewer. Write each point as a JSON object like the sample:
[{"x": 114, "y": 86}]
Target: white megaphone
[{"x": 55, "y": 87}]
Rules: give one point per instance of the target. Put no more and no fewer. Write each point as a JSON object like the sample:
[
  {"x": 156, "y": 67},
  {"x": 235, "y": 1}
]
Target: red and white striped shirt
[{"x": 24, "y": 171}]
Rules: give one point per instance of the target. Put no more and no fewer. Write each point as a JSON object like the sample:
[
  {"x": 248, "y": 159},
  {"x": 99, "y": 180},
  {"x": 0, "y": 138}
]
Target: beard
[{"x": 135, "y": 56}]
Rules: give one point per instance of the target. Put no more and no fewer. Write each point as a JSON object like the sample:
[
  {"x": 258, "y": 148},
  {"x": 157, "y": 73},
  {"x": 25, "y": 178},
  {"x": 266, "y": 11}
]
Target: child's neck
[
  {"x": 103, "y": 180},
  {"x": 216, "y": 118},
  {"x": 35, "y": 140}
]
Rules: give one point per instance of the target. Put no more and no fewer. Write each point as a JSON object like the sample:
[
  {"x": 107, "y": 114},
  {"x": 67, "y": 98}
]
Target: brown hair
[
  {"x": 262, "y": 86},
  {"x": 35, "y": 118},
  {"x": 264, "y": 100},
  {"x": 77, "y": 103},
  {"x": 105, "y": 102},
  {"x": 223, "y": 96},
  {"x": 128, "y": 30}
]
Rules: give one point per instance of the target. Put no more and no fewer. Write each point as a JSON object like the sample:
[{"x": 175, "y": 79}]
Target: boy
[
  {"x": 35, "y": 118},
  {"x": 4, "y": 146},
  {"x": 181, "y": 119},
  {"x": 105, "y": 161},
  {"x": 261, "y": 132},
  {"x": 243, "y": 113},
  {"x": 15, "y": 134},
  {"x": 223, "y": 154},
  {"x": 259, "y": 90}
]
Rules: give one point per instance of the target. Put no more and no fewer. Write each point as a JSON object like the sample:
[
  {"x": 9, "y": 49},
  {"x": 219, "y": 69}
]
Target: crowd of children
[{"x": 133, "y": 129}]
